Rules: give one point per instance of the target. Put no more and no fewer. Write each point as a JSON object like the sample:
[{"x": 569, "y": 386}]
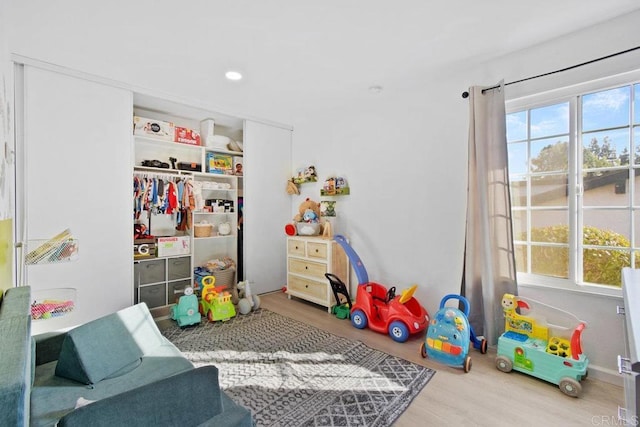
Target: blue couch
[{"x": 116, "y": 370}]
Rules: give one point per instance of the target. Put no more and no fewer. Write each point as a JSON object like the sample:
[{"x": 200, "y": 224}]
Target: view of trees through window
[{"x": 575, "y": 199}]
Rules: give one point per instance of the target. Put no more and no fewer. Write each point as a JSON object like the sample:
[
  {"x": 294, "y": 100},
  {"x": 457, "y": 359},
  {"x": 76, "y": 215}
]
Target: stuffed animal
[
  {"x": 307, "y": 205},
  {"x": 248, "y": 301},
  {"x": 309, "y": 216}
]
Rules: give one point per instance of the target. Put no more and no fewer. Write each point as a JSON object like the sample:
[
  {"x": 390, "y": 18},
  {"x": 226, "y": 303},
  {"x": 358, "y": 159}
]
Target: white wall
[
  {"x": 405, "y": 157},
  {"x": 402, "y": 151}
]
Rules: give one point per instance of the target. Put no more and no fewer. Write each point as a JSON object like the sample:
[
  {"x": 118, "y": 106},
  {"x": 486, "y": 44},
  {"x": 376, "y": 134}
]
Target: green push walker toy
[
  {"x": 216, "y": 301},
  {"x": 341, "y": 310}
]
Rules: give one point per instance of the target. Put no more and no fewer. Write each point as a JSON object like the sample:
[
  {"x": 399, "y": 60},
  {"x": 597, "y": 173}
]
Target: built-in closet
[{"x": 74, "y": 171}]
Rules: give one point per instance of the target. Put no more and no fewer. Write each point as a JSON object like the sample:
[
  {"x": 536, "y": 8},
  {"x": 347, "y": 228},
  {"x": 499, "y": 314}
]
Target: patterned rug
[{"x": 292, "y": 374}]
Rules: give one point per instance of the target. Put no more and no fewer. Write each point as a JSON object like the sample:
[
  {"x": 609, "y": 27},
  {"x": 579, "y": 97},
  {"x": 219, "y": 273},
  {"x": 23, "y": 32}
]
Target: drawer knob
[
  {"x": 297, "y": 247},
  {"x": 317, "y": 251},
  {"x": 306, "y": 267}
]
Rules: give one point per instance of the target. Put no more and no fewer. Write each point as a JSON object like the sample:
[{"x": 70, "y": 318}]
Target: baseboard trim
[{"x": 605, "y": 375}]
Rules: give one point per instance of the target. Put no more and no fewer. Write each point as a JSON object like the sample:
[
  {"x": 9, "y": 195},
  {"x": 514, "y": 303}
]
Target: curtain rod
[{"x": 465, "y": 94}]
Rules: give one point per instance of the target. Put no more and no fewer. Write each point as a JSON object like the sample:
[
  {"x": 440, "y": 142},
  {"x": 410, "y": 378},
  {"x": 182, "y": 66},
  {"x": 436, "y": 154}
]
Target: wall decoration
[
  {"x": 304, "y": 175},
  {"x": 335, "y": 186},
  {"x": 327, "y": 208}
]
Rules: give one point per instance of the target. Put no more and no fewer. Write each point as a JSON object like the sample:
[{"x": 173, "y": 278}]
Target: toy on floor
[
  {"x": 341, "y": 309},
  {"x": 544, "y": 342},
  {"x": 248, "y": 301},
  {"x": 185, "y": 312},
  {"x": 379, "y": 308},
  {"x": 449, "y": 333},
  {"x": 215, "y": 302}
]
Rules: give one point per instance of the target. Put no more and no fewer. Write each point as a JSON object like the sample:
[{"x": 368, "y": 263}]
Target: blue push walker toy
[{"x": 449, "y": 333}]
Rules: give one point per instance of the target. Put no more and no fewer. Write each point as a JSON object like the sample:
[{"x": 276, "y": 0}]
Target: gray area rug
[{"x": 292, "y": 374}]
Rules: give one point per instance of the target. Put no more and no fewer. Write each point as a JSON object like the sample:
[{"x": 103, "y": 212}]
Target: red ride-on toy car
[{"x": 380, "y": 308}]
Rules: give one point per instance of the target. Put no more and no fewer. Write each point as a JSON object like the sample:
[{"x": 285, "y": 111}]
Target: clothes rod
[{"x": 465, "y": 94}]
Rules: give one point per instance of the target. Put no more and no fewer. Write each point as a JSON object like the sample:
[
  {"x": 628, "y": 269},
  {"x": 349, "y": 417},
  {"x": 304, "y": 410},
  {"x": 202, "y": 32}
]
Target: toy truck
[{"x": 537, "y": 345}]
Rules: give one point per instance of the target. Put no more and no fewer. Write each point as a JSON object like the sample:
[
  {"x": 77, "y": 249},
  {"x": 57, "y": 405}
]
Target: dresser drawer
[
  {"x": 296, "y": 247},
  {"x": 307, "y": 268},
  {"x": 317, "y": 250},
  {"x": 310, "y": 288}
]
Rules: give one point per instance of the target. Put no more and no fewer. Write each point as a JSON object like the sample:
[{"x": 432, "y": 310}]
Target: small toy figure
[
  {"x": 310, "y": 174},
  {"x": 309, "y": 216}
]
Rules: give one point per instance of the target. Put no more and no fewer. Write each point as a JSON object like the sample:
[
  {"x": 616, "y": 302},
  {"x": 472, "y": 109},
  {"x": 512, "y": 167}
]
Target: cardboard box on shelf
[
  {"x": 237, "y": 165},
  {"x": 153, "y": 128},
  {"x": 219, "y": 163},
  {"x": 187, "y": 136},
  {"x": 173, "y": 245}
]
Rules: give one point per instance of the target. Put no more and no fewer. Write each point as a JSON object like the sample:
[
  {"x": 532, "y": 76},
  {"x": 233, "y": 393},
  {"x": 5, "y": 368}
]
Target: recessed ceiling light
[{"x": 233, "y": 75}]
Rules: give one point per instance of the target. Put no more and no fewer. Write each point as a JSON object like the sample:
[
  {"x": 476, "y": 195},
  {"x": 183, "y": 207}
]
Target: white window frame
[{"x": 570, "y": 94}]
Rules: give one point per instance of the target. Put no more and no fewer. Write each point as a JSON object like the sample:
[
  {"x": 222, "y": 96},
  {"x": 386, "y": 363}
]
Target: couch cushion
[
  {"x": 16, "y": 302},
  {"x": 168, "y": 402},
  {"x": 108, "y": 346},
  {"x": 15, "y": 370},
  {"x": 52, "y": 396}
]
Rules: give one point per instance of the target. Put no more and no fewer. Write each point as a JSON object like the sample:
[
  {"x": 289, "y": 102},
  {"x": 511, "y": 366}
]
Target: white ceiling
[{"x": 295, "y": 54}]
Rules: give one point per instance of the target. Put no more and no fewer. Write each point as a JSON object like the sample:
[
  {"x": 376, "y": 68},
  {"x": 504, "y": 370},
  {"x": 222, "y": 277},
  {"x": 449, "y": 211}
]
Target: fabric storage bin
[
  {"x": 178, "y": 268},
  {"x": 153, "y": 295},
  {"x": 150, "y": 271}
]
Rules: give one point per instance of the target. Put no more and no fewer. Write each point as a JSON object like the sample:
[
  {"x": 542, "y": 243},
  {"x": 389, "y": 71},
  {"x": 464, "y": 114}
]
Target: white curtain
[{"x": 489, "y": 263}]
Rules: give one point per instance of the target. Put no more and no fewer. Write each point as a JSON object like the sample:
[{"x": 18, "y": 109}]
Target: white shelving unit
[{"x": 152, "y": 281}]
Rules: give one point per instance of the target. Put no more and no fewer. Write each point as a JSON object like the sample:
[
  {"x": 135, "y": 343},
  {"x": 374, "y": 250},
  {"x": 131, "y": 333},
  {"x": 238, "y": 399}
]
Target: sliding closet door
[
  {"x": 74, "y": 172},
  {"x": 267, "y": 206}
]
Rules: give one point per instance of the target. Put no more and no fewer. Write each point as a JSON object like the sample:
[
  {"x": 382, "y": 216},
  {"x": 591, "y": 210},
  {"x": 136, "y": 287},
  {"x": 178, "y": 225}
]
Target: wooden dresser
[{"x": 308, "y": 259}]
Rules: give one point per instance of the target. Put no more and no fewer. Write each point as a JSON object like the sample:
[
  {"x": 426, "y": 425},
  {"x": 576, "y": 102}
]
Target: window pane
[
  {"x": 636, "y": 224},
  {"x": 606, "y": 188},
  {"x": 636, "y": 139},
  {"x": 555, "y": 231},
  {"x": 602, "y": 266},
  {"x": 550, "y": 261},
  {"x": 519, "y": 220},
  {"x": 517, "y": 153},
  {"x": 517, "y": 126},
  {"x": 551, "y": 120},
  {"x": 607, "y": 227},
  {"x": 521, "y": 258},
  {"x": 606, "y": 109},
  {"x": 549, "y": 190},
  {"x": 518, "y": 188},
  {"x": 605, "y": 149},
  {"x": 549, "y": 155},
  {"x": 636, "y": 111}
]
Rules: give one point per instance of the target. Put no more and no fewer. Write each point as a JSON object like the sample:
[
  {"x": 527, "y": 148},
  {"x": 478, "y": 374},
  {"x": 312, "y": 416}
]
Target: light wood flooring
[{"x": 482, "y": 397}]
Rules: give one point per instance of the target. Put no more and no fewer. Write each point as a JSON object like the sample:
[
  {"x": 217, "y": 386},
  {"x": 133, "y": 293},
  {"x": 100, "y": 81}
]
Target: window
[{"x": 574, "y": 168}]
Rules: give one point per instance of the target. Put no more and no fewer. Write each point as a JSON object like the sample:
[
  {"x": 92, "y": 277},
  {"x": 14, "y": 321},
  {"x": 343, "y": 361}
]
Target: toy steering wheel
[{"x": 391, "y": 294}]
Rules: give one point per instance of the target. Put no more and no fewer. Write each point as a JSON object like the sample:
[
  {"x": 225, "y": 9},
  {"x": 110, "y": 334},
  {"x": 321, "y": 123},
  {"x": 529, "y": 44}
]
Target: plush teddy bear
[{"x": 309, "y": 211}]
